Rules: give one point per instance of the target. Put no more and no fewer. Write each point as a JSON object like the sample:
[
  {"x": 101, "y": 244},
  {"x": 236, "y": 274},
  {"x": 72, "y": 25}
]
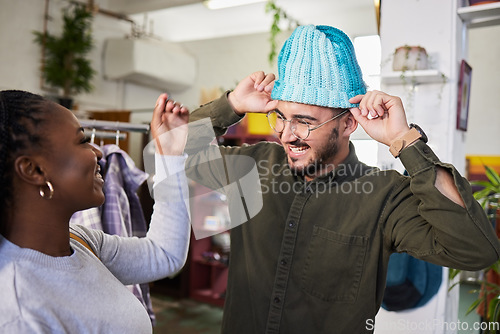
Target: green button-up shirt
[{"x": 314, "y": 259}]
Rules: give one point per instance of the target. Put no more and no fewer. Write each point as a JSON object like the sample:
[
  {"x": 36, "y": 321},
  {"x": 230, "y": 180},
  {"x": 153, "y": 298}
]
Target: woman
[{"x": 51, "y": 283}]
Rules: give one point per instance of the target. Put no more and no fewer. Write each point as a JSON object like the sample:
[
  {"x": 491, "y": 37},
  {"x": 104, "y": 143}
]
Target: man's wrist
[
  {"x": 232, "y": 102},
  {"x": 404, "y": 141}
]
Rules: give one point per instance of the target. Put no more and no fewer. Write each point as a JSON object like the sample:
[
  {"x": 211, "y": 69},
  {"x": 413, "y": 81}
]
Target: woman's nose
[{"x": 97, "y": 152}]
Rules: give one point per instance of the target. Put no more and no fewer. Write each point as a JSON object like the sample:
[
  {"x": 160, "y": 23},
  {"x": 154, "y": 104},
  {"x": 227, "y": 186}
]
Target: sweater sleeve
[
  {"x": 439, "y": 230},
  {"x": 163, "y": 251}
]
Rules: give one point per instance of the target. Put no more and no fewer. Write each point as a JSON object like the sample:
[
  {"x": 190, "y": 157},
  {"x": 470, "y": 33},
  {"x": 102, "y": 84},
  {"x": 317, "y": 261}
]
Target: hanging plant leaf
[{"x": 278, "y": 14}]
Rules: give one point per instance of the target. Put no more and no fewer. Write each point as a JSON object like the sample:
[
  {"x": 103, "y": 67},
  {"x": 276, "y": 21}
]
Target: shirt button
[
  {"x": 283, "y": 262},
  {"x": 277, "y": 300},
  {"x": 426, "y": 150},
  {"x": 291, "y": 223}
]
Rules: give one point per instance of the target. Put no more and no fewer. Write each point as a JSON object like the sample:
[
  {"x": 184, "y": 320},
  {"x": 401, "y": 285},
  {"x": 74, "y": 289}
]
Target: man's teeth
[{"x": 296, "y": 149}]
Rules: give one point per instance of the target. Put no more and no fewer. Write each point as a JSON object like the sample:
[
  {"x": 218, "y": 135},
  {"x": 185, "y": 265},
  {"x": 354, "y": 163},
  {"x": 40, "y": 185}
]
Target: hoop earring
[{"x": 51, "y": 191}]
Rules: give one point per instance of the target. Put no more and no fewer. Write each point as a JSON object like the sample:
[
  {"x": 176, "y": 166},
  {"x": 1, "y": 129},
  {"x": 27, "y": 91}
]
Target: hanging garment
[
  {"x": 90, "y": 218},
  {"x": 121, "y": 214}
]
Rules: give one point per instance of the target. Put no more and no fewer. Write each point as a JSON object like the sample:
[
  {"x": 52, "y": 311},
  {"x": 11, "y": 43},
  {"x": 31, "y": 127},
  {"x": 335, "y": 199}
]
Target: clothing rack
[
  {"x": 113, "y": 125},
  {"x": 109, "y": 135}
]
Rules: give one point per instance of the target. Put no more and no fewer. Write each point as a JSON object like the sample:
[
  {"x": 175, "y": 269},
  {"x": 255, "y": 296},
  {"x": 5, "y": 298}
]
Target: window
[{"x": 368, "y": 52}]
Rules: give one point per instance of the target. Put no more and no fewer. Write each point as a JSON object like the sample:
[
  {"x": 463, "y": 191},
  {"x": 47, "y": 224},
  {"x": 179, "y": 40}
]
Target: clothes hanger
[
  {"x": 92, "y": 136},
  {"x": 117, "y": 133}
]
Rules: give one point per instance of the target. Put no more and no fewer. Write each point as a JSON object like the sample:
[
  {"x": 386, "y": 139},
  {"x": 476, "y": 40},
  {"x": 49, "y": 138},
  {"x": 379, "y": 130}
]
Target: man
[{"x": 314, "y": 258}]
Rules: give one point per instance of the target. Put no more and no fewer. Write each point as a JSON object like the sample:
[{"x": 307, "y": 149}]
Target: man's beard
[{"x": 318, "y": 167}]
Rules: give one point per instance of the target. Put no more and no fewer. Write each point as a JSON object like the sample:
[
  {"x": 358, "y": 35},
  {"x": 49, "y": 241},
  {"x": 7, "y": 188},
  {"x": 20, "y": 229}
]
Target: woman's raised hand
[{"x": 169, "y": 126}]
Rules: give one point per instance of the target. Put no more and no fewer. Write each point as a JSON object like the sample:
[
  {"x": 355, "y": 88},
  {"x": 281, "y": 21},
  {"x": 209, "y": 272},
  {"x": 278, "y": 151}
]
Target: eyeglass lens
[{"x": 299, "y": 128}]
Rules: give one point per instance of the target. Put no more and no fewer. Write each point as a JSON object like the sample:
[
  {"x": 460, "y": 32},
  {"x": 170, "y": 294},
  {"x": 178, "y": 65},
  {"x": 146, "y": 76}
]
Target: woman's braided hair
[{"x": 21, "y": 114}]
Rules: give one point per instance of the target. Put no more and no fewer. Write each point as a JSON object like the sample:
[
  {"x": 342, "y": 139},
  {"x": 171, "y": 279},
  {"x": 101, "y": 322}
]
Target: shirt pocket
[{"x": 334, "y": 265}]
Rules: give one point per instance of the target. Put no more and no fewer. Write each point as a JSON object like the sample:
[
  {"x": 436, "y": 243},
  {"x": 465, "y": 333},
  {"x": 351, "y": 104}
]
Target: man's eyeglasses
[{"x": 299, "y": 127}]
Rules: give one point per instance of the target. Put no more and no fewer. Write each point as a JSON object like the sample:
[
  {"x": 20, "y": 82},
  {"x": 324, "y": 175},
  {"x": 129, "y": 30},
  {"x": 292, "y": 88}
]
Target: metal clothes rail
[
  {"x": 113, "y": 125},
  {"x": 108, "y": 135}
]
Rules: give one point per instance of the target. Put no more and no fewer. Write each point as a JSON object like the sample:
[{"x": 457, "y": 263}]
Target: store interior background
[{"x": 228, "y": 44}]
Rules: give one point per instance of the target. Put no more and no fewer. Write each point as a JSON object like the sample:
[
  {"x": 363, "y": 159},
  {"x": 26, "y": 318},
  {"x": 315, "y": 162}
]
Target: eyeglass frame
[{"x": 308, "y": 125}]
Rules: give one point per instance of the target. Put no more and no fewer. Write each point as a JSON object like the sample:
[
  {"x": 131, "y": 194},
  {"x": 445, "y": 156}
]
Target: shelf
[
  {"x": 416, "y": 77},
  {"x": 480, "y": 15}
]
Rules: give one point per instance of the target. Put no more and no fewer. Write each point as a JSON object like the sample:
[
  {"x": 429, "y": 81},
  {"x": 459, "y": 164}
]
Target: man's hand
[
  {"x": 253, "y": 94},
  {"x": 169, "y": 126},
  {"x": 382, "y": 116}
]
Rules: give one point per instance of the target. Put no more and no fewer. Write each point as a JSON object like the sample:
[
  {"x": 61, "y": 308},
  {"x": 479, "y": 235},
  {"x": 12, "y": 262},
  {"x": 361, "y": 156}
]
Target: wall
[
  {"x": 221, "y": 62},
  {"x": 432, "y": 25},
  {"x": 434, "y": 106},
  {"x": 435, "y": 26},
  {"x": 483, "y": 134},
  {"x": 224, "y": 61},
  {"x": 21, "y": 58},
  {"x": 428, "y": 105}
]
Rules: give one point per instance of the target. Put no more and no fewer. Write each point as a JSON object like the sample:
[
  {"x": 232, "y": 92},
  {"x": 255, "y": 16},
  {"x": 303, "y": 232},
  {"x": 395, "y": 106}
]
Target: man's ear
[
  {"x": 29, "y": 170},
  {"x": 350, "y": 125}
]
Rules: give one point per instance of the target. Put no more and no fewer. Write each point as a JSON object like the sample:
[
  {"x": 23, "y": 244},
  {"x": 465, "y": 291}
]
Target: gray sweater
[{"x": 83, "y": 294}]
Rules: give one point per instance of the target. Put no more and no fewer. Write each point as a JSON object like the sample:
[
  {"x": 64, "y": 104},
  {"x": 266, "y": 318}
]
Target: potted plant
[
  {"x": 488, "y": 302},
  {"x": 65, "y": 65},
  {"x": 409, "y": 58}
]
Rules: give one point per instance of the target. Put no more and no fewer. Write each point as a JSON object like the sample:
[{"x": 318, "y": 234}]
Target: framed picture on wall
[{"x": 464, "y": 83}]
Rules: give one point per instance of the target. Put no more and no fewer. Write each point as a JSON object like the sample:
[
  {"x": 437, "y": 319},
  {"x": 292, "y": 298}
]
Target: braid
[{"x": 20, "y": 115}]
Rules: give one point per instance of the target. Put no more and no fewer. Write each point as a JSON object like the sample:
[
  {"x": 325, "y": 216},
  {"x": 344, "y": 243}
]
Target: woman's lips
[{"x": 98, "y": 175}]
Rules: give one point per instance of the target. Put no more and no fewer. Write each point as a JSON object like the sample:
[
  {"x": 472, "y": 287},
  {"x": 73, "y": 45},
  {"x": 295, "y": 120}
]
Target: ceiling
[
  {"x": 185, "y": 20},
  {"x": 141, "y": 6}
]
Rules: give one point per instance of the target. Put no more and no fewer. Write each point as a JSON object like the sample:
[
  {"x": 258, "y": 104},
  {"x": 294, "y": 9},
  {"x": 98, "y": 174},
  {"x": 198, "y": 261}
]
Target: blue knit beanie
[{"x": 318, "y": 66}]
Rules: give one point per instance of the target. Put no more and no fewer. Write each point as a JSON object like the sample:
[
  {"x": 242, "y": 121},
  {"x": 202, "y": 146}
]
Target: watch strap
[{"x": 401, "y": 143}]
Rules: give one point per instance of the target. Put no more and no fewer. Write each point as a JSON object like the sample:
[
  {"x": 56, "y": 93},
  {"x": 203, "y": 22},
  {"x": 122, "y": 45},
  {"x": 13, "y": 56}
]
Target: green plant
[
  {"x": 65, "y": 63},
  {"x": 278, "y": 15},
  {"x": 491, "y": 188},
  {"x": 489, "y": 293}
]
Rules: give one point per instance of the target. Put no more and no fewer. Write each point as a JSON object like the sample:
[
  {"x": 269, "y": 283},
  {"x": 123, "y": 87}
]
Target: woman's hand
[{"x": 169, "y": 126}]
